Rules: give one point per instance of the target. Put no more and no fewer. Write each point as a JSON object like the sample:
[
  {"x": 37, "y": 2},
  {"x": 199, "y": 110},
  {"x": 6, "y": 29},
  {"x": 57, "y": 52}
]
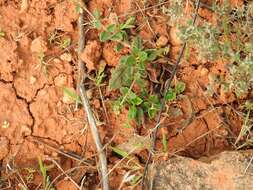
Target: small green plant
[
  {"x": 46, "y": 178},
  {"x": 43, "y": 64},
  {"x": 241, "y": 77},
  {"x": 172, "y": 93},
  {"x": 131, "y": 71},
  {"x": 117, "y": 32},
  {"x": 245, "y": 133},
  {"x": 164, "y": 141},
  {"x": 114, "y": 32},
  {"x": 175, "y": 11},
  {"x": 72, "y": 94},
  {"x": 203, "y": 38},
  {"x": 65, "y": 43}
]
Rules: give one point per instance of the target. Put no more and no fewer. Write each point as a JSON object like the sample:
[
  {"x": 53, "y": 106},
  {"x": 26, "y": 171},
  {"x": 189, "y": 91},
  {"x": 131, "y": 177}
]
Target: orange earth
[{"x": 39, "y": 121}]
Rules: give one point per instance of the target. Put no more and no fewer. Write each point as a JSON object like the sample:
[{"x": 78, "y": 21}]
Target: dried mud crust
[{"x": 32, "y": 103}]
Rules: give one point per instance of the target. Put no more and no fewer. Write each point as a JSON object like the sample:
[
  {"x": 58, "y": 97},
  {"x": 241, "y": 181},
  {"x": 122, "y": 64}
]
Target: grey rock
[{"x": 226, "y": 171}]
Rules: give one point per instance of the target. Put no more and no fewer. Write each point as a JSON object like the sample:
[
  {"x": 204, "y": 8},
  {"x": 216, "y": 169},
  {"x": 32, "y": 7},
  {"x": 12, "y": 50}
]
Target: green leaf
[
  {"x": 43, "y": 169},
  {"x": 78, "y": 8},
  {"x": 128, "y": 24},
  {"x": 118, "y": 47},
  {"x": 180, "y": 87},
  {"x": 140, "y": 116},
  {"x": 131, "y": 60},
  {"x": 152, "y": 112},
  {"x": 127, "y": 125},
  {"x": 96, "y": 14},
  {"x": 111, "y": 28},
  {"x": 124, "y": 90},
  {"x": 165, "y": 143},
  {"x": 132, "y": 112},
  {"x": 121, "y": 76},
  {"x": 152, "y": 54},
  {"x": 135, "y": 180},
  {"x": 116, "y": 107},
  {"x": 117, "y": 37},
  {"x": 119, "y": 152},
  {"x": 170, "y": 95},
  {"x": 137, "y": 45},
  {"x": 153, "y": 99},
  {"x": 136, "y": 101},
  {"x": 143, "y": 56},
  {"x": 104, "y": 36},
  {"x": 72, "y": 94}
]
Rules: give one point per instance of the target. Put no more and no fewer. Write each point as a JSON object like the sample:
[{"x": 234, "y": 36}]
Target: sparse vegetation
[
  {"x": 46, "y": 178},
  {"x": 146, "y": 92}
]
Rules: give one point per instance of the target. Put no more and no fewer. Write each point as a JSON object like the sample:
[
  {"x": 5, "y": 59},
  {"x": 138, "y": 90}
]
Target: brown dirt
[{"x": 34, "y": 111}]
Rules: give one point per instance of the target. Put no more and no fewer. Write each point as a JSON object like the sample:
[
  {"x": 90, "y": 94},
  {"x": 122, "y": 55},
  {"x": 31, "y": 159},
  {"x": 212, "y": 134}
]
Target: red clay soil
[{"x": 35, "y": 113}]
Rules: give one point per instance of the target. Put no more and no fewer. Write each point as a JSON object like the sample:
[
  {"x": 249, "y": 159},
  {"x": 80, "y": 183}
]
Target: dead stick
[
  {"x": 96, "y": 138},
  {"x": 87, "y": 108}
]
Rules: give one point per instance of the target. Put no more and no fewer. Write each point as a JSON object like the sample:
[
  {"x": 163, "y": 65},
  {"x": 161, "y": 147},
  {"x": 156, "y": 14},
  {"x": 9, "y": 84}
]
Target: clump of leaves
[
  {"x": 46, "y": 178},
  {"x": 175, "y": 11},
  {"x": 241, "y": 77},
  {"x": 203, "y": 38},
  {"x": 117, "y": 31},
  {"x": 245, "y": 132},
  {"x": 114, "y": 32},
  {"x": 172, "y": 93},
  {"x": 132, "y": 71}
]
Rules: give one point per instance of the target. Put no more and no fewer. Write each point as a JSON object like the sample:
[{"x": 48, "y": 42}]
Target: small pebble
[
  {"x": 66, "y": 57},
  {"x": 204, "y": 71},
  {"x": 5, "y": 124},
  {"x": 162, "y": 41},
  {"x": 61, "y": 80},
  {"x": 174, "y": 39},
  {"x": 33, "y": 79},
  {"x": 38, "y": 45}
]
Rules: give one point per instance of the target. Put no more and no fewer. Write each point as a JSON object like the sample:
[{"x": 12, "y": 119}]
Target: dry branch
[{"x": 87, "y": 108}]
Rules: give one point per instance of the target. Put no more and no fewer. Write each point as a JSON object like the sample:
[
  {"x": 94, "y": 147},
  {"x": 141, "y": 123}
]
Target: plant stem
[{"x": 129, "y": 90}]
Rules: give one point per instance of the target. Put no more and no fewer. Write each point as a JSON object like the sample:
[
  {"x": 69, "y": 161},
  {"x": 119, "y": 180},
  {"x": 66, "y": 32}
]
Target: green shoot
[
  {"x": 72, "y": 94},
  {"x": 172, "y": 93},
  {"x": 46, "y": 178},
  {"x": 43, "y": 64},
  {"x": 120, "y": 152},
  {"x": 117, "y": 32},
  {"x": 65, "y": 43},
  {"x": 164, "y": 141}
]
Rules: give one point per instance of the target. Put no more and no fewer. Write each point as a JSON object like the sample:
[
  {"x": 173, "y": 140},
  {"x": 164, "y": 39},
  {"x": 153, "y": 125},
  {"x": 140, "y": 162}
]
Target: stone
[{"x": 225, "y": 171}]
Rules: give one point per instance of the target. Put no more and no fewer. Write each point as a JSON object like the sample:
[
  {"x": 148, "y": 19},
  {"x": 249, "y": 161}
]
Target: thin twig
[
  {"x": 167, "y": 85},
  {"x": 66, "y": 154},
  {"x": 250, "y": 162},
  {"x": 96, "y": 138},
  {"x": 68, "y": 177},
  {"x": 87, "y": 108},
  {"x": 81, "y": 44}
]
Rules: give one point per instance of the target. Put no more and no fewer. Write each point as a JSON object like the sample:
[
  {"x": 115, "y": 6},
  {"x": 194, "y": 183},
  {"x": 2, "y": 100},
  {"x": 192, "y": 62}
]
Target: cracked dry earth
[{"x": 34, "y": 109}]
